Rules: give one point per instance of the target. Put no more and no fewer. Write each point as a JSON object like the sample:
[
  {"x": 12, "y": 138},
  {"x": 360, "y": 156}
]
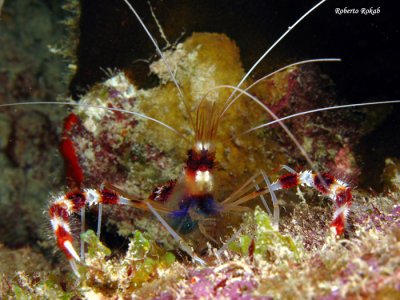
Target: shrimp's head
[{"x": 199, "y": 168}]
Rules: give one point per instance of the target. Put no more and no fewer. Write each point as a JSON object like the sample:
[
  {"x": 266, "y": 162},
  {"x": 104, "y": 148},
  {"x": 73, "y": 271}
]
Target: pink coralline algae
[{"x": 232, "y": 283}]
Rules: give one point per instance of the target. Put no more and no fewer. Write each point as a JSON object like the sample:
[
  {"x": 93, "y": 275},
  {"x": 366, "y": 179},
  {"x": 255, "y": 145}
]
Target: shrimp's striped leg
[
  {"x": 328, "y": 185},
  {"x": 64, "y": 206},
  {"x": 325, "y": 183}
]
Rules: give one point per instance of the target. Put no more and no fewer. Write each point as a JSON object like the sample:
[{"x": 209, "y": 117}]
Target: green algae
[
  {"x": 94, "y": 245},
  {"x": 267, "y": 240},
  {"x": 147, "y": 257},
  {"x": 28, "y": 288},
  {"x": 142, "y": 262}
]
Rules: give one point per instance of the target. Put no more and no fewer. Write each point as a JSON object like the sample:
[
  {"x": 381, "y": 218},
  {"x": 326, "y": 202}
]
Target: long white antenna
[
  {"x": 102, "y": 107},
  {"x": 163, "y": 58},
  {"x": 313, "y": 111},
  {"x": 284, "y": 127},
  {"x": 228, "y": 104},
  {"x": 272, "y": 47}
]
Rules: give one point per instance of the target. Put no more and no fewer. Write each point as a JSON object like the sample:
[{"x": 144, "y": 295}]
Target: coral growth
[
  {"x": 143, "y": 262},
  {"x": 264, "y": 264},
  {"x": 391, "y": 174},
  {"x": 266, "y": 241}
]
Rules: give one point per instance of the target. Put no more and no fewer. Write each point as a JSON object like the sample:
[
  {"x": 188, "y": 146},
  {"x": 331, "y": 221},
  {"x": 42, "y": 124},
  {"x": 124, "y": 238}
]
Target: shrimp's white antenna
[
  {"x": 284, "y": 127},
  {"x": 163, "y": 58},
  {"x": 272, "y": 47},
  {"x": 102, "y": 107},
  {"x": 316, "y": 110},
  {"x": 228, "y": 104}
]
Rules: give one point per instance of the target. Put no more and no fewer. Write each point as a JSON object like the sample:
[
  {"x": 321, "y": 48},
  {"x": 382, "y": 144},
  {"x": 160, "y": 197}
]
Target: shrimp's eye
[{"x": 188, "y": 225}]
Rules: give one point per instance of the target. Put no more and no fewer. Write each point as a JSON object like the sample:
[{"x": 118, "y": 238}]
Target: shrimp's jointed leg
[{"x": 325, "y": 183}]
